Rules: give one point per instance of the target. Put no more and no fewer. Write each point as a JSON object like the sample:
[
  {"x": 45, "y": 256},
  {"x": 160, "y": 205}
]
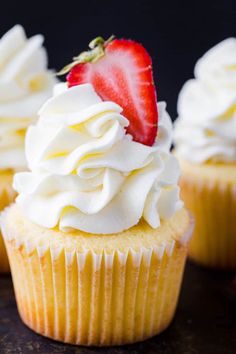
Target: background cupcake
[
  {"x": 98, "y": 235},
  {"x": 205, "y": 138},
  {"x": 25, "y": 84}
]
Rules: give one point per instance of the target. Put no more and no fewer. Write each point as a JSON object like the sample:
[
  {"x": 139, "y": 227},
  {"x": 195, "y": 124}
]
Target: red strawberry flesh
[{"x": 124, "y": 75}]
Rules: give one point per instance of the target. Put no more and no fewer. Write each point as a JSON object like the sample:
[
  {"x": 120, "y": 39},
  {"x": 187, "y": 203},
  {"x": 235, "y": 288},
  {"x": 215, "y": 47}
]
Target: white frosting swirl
[
  {"x": 206, "y": 127},
  {"x": 25, "y": 84},
  {"x": 88, "y": 174}
]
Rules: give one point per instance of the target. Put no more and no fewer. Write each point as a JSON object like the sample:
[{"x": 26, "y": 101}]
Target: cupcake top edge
[
  {"x": 17, "y": 228},
  {"x": 206, "y": 124}
]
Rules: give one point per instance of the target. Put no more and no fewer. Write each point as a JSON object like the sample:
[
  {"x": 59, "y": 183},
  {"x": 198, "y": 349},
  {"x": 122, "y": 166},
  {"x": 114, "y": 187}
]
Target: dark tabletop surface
[{"x": 205, "y": 321}]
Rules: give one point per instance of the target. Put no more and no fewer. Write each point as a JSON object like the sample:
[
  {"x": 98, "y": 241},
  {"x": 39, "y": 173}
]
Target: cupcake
[
  {"x": 97, "y": 238},
  {"x": 205, "y": 143},
  {"x": 25, "y": 84}
]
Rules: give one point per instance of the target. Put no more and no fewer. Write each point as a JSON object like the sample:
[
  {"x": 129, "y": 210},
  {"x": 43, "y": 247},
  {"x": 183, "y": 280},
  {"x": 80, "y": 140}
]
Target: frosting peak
[
  {"x": 218, "y": 65},
  {"x": 88, "y": 174},
  {"x": 206, "y": 126},
  {"x": 25, "y": 84}
]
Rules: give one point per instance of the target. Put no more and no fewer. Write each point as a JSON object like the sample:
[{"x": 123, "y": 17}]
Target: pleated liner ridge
[
  {"x": 213, "y": 204},
  {"x": 7, "y": 196},
  {"x": 96, "y": 299}
]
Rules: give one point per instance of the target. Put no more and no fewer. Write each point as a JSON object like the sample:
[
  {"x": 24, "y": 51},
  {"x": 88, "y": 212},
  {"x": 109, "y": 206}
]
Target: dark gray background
[{"x": 176, "y": 33}]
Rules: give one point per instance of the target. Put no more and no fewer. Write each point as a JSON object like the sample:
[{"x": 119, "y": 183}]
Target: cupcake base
[
  {"x": 96, "y": 289},
  {"x": 4, "y": 264},
  {"x": 209, "y": 192},
  {"x": 7, "y": 196}
]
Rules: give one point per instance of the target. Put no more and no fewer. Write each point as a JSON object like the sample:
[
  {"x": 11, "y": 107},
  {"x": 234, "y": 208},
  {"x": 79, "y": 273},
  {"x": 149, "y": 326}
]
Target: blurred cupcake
[
  {"x": 205, "y": 138},
  {"x": 25, "y": 84},
  {"x": 97, "y": 239}
]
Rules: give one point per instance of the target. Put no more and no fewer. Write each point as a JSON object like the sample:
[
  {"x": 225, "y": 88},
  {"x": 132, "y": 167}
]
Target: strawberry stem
[
  {"x": 96, "y": 42},
  {"x": 97, "y": 50}
]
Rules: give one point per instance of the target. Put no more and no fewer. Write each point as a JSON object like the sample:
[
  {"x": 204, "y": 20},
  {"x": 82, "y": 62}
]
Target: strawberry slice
[{"x": 120, "y": 70}]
